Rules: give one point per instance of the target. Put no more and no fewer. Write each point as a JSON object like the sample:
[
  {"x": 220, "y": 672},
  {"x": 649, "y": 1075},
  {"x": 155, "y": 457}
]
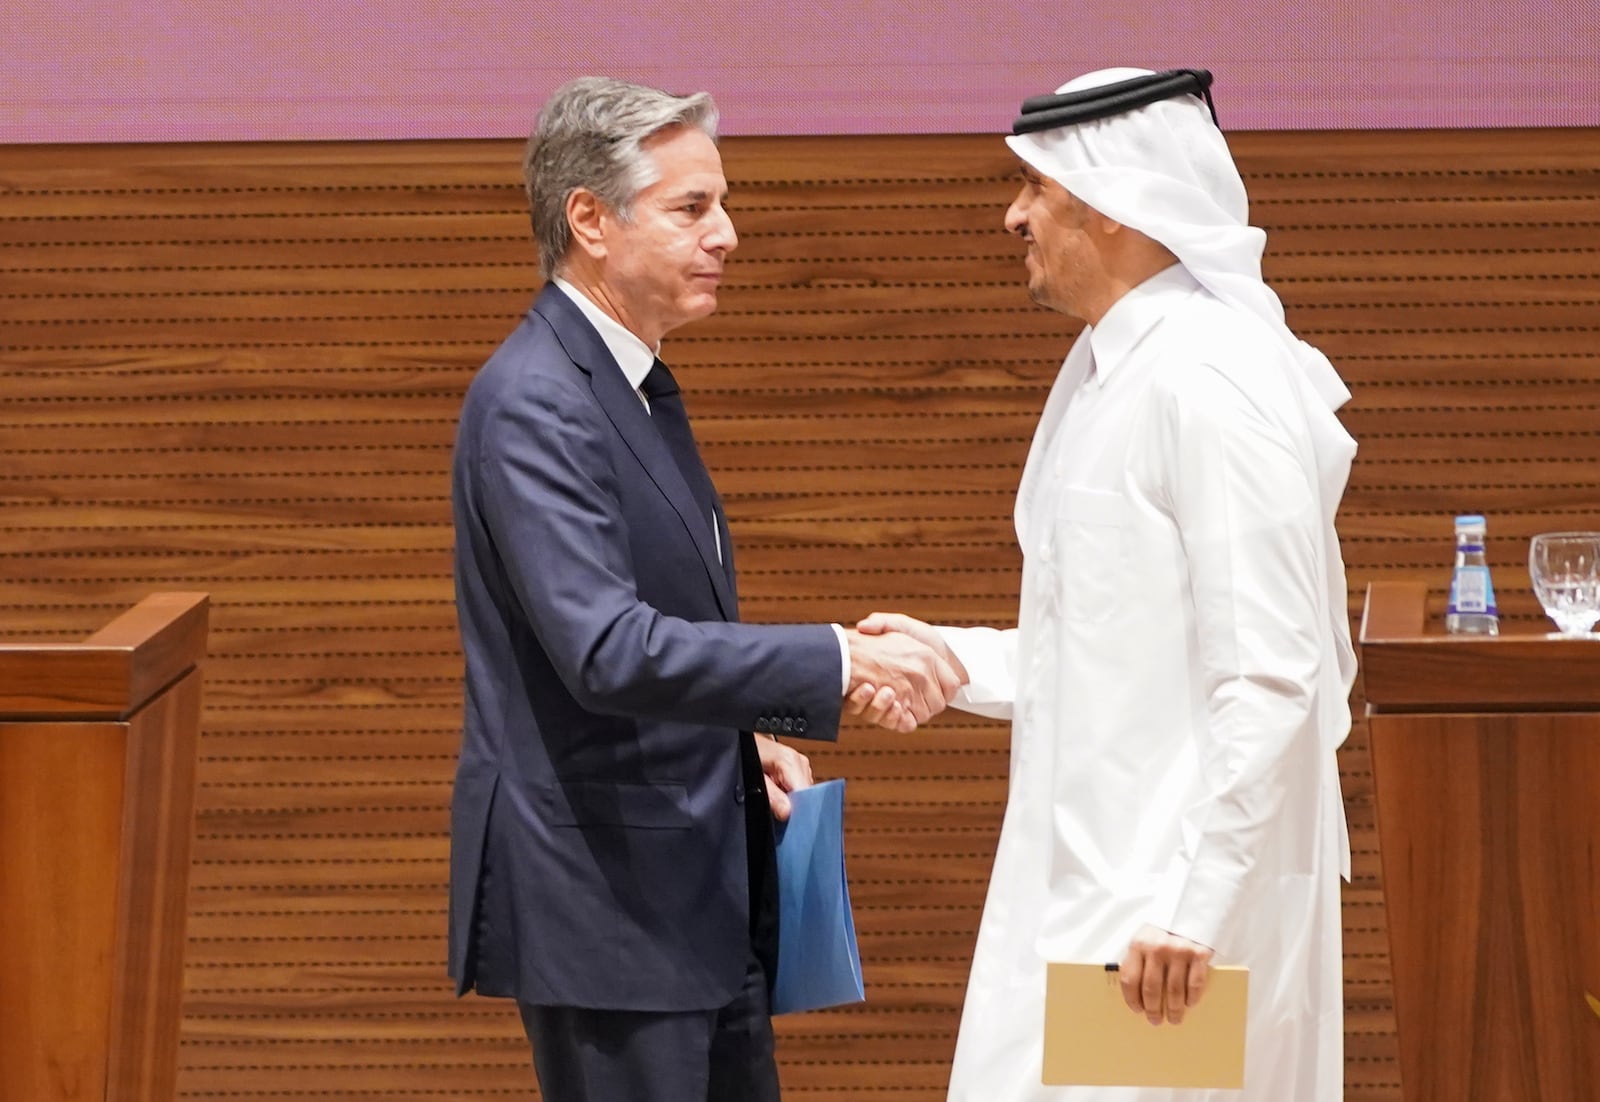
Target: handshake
[{"x": 901, "y": 672}]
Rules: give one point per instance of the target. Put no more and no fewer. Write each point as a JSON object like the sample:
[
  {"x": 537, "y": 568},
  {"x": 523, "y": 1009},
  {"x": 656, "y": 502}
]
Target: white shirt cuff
[{"x": 844, "y": 658}]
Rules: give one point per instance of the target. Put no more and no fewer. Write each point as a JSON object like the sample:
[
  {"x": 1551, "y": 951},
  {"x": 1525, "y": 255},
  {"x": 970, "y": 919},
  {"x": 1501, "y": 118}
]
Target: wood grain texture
[
  {"x": 156, "y": 842},
  {"x": 237, "y": 369},
  {"x": 114, "y": 672},
  {"x": 1405, "y": 667},
  {"x": 1489, "y": 830},
  {"x": 97, "y": 821},
  {"x": 60, "y": 821}
]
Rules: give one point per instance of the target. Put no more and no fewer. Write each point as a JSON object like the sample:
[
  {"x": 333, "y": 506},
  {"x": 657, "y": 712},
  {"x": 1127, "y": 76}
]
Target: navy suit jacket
[{"x": 607, "y": 783}]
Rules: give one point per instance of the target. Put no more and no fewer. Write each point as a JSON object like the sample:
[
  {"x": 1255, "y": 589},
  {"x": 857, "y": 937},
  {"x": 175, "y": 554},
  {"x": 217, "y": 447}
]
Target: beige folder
[{"x": 1091, "y": 1038}]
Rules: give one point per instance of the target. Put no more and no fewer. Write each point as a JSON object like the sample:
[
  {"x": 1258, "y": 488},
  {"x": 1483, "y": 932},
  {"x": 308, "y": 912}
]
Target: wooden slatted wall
[{"x": 237, "y": 369}]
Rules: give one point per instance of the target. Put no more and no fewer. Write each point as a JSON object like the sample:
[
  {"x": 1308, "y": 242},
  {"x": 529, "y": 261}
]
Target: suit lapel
[{"x": 621, "y": 404}]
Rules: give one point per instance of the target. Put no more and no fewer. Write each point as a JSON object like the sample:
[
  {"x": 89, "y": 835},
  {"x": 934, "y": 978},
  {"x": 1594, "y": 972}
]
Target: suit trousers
[{"x": 725, "y": 1055}]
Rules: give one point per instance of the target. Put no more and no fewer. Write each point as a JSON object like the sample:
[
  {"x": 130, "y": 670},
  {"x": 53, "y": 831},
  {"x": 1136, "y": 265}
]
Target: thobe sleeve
[
  {"x": 990, "y": 656},
  {"x": 1247, "y": 512}
]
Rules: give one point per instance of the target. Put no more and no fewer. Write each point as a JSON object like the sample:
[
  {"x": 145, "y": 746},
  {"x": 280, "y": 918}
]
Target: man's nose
[
  {"x": 1017, "y": 219},
  {"x": 723, "y": 236}
]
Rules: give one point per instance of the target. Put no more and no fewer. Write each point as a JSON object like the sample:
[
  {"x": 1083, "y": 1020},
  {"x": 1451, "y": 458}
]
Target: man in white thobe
[{"x": 1179, "y": 679}]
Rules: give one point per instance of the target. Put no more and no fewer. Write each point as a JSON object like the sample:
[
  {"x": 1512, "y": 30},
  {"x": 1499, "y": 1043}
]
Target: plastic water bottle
[{"x": 1472, "y": 610}]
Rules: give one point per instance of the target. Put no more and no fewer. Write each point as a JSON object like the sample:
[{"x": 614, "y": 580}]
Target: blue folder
[{"x": 818, "y": 962}]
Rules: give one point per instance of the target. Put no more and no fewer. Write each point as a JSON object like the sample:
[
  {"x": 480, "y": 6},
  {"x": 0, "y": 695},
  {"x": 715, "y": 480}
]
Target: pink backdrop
[{"x": 179, "y": 70}]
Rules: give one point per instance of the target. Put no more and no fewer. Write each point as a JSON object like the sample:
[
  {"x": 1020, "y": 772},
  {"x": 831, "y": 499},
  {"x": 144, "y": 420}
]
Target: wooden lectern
[
  {"x": 97, "y": 763},
  {"x": 1486, "y": 762}
]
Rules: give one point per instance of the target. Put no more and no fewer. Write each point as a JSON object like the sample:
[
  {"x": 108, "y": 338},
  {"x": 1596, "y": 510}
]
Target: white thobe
[{"x": 1178, "y": 685}]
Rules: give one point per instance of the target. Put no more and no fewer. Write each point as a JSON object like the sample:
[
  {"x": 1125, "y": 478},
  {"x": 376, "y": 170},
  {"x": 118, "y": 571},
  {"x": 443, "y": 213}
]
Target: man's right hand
[
  {"x": 922, "y": 682},
  {"x": 880, "y": 622}
]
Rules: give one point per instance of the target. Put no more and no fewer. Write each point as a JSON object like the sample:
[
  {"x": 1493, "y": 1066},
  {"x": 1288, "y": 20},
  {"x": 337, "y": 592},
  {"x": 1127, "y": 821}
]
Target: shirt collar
[
  {"x": 632, "y": 355},
  {"x": 1134, "y": 315}
]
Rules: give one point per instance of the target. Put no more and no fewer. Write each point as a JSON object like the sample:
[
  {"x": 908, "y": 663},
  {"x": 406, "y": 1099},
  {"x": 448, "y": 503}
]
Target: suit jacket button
[
  {"x": 800, "y": 725},
  {"x": 788, "y": 725},
  {"x": 738, "y": 793}
]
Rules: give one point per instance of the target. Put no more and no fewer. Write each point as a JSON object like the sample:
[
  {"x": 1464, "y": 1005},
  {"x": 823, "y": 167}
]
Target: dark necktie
[{"x": 666, "y": 410}]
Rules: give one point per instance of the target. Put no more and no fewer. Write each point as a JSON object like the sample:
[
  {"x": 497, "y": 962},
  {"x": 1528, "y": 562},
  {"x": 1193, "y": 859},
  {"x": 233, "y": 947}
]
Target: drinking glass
[{"x": 1565, "y": 568}]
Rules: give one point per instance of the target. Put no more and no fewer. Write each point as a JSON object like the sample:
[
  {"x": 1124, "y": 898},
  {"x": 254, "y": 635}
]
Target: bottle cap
[{"x": 1470, "y": 520}]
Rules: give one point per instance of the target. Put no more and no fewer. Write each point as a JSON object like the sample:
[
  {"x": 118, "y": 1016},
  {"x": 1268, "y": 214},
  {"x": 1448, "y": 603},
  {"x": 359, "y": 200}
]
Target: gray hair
[{"x": 591, "y": 135}]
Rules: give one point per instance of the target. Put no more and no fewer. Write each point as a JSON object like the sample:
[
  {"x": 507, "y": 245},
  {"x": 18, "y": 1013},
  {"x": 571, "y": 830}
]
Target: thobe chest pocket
[{"x": 1091, "y": 532}]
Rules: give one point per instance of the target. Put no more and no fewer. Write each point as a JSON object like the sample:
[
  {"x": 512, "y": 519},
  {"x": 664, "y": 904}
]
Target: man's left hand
[
  {"x": 786, "y": 770},
  {"x": 1163, "y": 974}
]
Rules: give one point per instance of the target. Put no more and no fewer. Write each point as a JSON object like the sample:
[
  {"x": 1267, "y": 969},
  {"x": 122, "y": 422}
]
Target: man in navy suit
[{"x": 611, "y": 844}]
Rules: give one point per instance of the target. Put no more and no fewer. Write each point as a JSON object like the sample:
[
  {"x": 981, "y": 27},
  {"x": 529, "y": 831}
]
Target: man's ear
[
  {"x": 1105, "y": 225},
  {"x": 586, "y": 216}
]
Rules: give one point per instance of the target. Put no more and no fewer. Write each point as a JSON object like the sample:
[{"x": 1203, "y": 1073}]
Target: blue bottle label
[{"x": 1472, "y": 591}]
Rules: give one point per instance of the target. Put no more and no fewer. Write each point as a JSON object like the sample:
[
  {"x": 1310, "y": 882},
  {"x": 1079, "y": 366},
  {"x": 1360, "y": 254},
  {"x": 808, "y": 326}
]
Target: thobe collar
[
  {"x": 1132, "y": 317},
  {"x": 632, "y": 354}
]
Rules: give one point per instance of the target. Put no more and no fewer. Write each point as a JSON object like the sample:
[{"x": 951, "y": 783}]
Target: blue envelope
[{"x": 819, "y": 964}]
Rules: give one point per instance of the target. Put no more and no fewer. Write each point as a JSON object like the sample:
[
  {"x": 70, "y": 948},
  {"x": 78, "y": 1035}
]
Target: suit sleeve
[{"x": 551, "y": 504}]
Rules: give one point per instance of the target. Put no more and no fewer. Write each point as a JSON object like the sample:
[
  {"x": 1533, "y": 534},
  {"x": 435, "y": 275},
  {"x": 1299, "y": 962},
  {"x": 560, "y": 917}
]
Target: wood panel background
[{"x": 237, "y": 369}]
